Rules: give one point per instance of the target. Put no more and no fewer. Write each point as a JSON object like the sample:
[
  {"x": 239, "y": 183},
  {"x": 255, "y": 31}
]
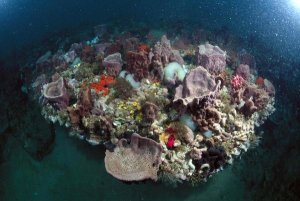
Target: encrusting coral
[{"x": 103, "y": 84}]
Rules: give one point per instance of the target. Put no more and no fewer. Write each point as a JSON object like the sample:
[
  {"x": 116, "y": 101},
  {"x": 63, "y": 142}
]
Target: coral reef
[{"x": 193, "y": 120}]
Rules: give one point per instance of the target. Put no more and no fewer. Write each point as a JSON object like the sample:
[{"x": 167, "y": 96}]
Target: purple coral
[
  {"x": 244, "y": 71},
  {"x": 163, "y": 52},
  {"x": 113, "y": 64},
  {"x": 197, "y": 85},
  {"x": 212, "y": 58},
  {"x": 56, "y": 93}
]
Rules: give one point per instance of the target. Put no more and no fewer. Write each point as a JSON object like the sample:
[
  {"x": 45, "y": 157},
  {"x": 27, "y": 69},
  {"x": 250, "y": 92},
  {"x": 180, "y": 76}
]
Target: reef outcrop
[{"x": 194, "y": 115}]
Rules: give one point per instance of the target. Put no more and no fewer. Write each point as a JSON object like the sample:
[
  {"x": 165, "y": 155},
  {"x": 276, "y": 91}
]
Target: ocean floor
[{"x": 75, "y": 170}]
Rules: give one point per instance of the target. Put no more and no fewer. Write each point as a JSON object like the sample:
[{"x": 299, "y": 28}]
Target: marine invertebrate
[
  {"x": 248, "y": 108},
  {"x": 173, "y": 73},
  {"x": 195, "y": 154},
  {"x": 211, "y": 57},
  {"x": 181, "y": 131},
  {"x": 123, "y": 89},
  {"x": 113, "y": 64},
  {"x": 138, "y": 64},
  {"x": 259, "y": 81},
  {"x": 56, "y": 93},
  {"x": 130, "y": 44},
  {"x": 87, "y": 54},
  {"x": 100, "y": 125},
  {"x": 197, "y": 85},
  {"x": 149, "y": 111},
  {"x": 237, "y": 82},
  {"x": 212, "y": 159},
  {"x": 70, "y": 56},
  {"x": 86, "y": 70},
  {"x": 164, "y": 54},
  {"x": 171, "y": 141},
  {"x": 83, "y": 107},
  {"x": 259, "y": 96},
  {"x": 102, "y": 85},
  {"x": 205, "y": 118},
  {"x": 144, "y": 48},
  {"x": 137, "y": 161},
  {"x": 244, "y": 71}
]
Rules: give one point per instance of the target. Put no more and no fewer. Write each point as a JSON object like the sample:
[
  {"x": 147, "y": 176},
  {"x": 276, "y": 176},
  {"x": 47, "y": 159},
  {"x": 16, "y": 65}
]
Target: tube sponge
[{"x": 173, "y": 72}]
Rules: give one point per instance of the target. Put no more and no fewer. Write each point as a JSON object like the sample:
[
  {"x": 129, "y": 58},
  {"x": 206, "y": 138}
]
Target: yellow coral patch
[{"x": 163, "y": 137}]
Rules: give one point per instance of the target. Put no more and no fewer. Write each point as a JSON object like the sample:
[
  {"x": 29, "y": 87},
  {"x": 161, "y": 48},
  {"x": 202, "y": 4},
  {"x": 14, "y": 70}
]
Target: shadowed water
[{"x": 75, "y": 171}]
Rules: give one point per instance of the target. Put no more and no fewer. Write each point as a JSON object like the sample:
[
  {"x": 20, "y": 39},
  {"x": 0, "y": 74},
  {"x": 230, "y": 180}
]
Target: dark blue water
[{"x": 73, "y": 170}]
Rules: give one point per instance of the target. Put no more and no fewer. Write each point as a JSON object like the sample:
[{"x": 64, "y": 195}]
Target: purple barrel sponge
[
  {"x": 113, "y": 64},
  {"x": 56, "y": 93},
  {"x": 198, "y": 84},
  {"x": 212, "y": 58}
]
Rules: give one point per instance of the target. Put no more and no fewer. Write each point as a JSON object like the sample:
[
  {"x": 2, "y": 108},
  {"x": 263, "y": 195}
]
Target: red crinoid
[
  {"x": 259, "y": 81},
  {"x": 143, "y": 48}
]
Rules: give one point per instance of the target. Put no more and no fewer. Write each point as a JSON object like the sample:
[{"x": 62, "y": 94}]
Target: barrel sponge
[
  {"x": 212, "y": 58},
  {"x": 137, "y": 161},
  {"x": 113, "y": 64},
  {"x": 56, "y": 93},
  {"x": 196, "y": 85}
]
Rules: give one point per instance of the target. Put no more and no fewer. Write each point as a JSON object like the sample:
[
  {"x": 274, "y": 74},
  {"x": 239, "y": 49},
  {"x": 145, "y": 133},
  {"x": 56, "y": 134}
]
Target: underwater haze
[{"x": 79, "y": 79}]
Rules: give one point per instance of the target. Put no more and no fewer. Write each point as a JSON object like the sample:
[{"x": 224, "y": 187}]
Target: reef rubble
[{"x": 193, "y": 117}]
